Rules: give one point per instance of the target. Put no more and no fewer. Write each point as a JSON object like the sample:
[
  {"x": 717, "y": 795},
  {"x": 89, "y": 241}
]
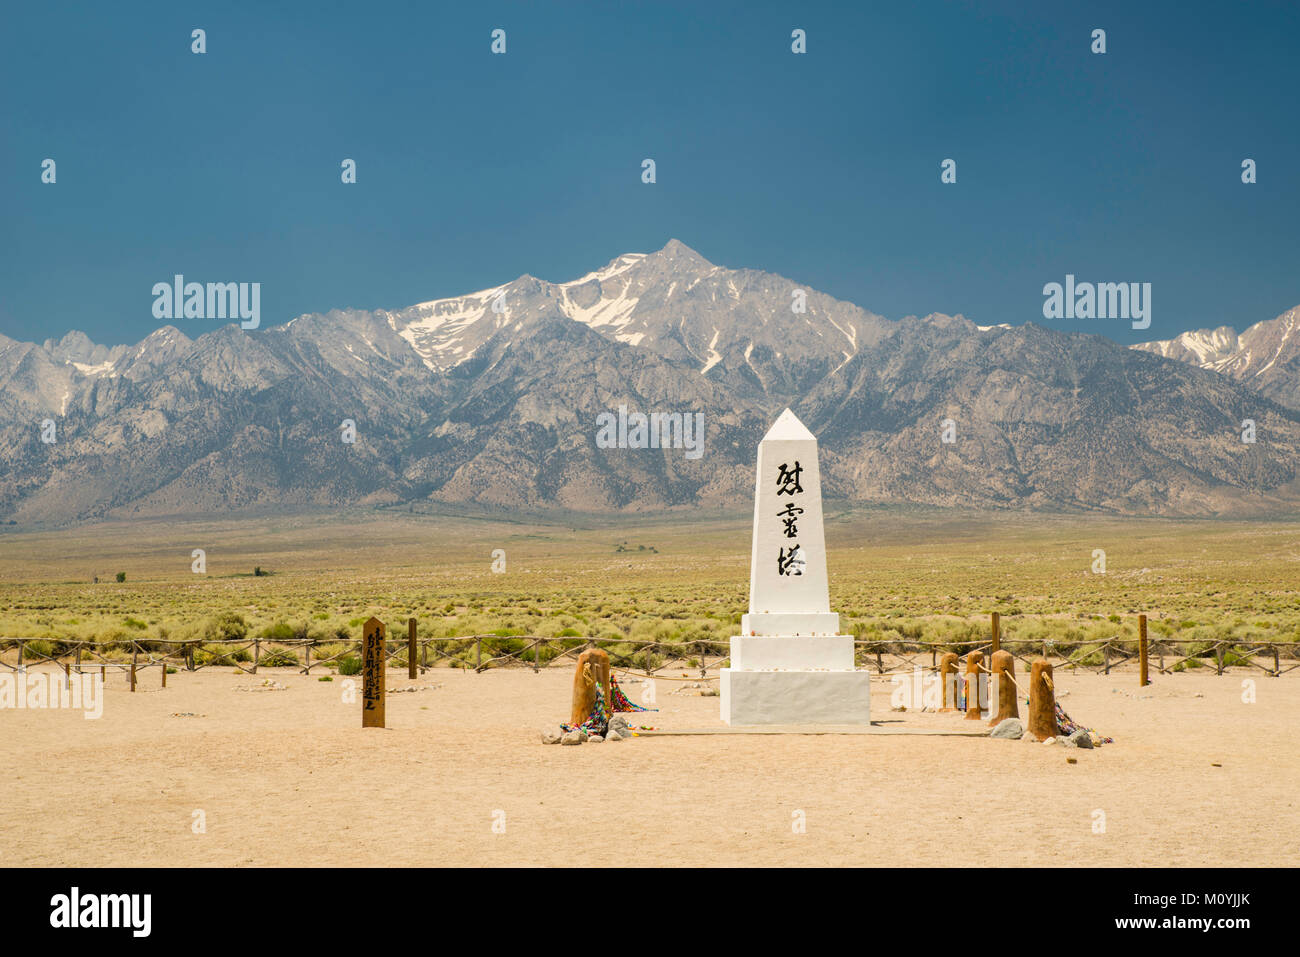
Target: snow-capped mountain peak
[
  {"x": 1266, "y": 356},
  {"x": 673, "y": 302}
]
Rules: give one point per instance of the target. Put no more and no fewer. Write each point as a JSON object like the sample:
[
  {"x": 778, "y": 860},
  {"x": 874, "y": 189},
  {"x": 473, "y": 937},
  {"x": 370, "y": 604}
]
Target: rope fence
[{"x": 649, "y": 657}]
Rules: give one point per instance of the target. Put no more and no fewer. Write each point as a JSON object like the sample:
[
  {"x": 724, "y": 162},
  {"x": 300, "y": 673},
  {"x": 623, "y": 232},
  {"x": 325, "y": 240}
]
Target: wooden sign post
[{"x": 372, "y": 671}]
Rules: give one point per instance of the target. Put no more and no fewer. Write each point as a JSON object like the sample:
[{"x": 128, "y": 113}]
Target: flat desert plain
[{"x": 286, "y": 776}]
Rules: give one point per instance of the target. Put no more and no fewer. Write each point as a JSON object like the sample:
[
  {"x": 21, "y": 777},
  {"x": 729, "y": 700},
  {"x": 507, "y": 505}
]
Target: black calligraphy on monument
[
  {"x": 790, "y": 561},
  {"x": 789, "y": 517},
  {"x": 787, "y": 483}
]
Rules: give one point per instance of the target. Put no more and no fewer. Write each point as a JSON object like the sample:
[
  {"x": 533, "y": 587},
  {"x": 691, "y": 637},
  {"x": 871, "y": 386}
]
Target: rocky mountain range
[{"x": 493, "y": 398}]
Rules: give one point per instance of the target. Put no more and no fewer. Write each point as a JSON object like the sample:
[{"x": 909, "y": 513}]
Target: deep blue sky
[{"x": 475, "y": 168}]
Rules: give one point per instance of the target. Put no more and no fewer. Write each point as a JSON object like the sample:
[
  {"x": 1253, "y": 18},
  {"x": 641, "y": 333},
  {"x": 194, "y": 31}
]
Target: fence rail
[{"x": 647, "y": 655}]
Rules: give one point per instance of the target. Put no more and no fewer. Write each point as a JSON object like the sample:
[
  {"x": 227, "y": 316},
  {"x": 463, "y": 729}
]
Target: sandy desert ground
[{"x": 287, "y": 777}]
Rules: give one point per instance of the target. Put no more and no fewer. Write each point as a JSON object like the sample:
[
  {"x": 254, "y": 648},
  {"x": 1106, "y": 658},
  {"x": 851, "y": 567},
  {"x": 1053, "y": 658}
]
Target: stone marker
[
  {"x": 790, "y": 664},
  {"x": 948, "y": 678},
  {"x": 1003, "y": 666},
  {"x": 1042, "y": 701},
  {"x": 372, "y": 672},
  {"x": 974, "y": 683}
]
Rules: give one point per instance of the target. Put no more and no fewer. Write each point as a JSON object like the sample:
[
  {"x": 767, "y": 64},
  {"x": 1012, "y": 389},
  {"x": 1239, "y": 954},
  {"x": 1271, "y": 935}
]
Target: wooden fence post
[
  {"x": 78, "y": 659},
  {"x": 21, "y": 646},
  {"x": 1105, "y": 651},
  {"x": 1277, "y": 665},
  {"x": 537, "y": 656},
  {"x": 133, "y": 657},
  {"x": 163, "y": 665},
  {"x": 1143, "y": 679},
  {"x": 257, "y": 654},
  {"x": 1042, "y": 701},
  {"x": 67, "y": 676},
  {"x": 1218, "y": 658},
  {"x": 307, "y": 668},
  {"x": 424, "y": 655},
  {"x": 478, "y": 654},
  {"x": 411, "y": 663},
  {"x": 974, "y": 682},
  {"x": 189, "y": 657},
  {"x": 948, "y": 678},
  {"x": 997, "y": 633},
  {"x": 1003, "y": 666}
]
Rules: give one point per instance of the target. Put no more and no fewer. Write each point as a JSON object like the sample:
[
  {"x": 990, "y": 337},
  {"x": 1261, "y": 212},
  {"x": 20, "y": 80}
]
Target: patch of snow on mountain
[
  {"x": 104, "y": 368},
  {"x": 620, "y": 265},
  {"x": 714, "y": 355},
  {"x": 1206, "y": 347},
  {"x": 435, "y": 326},
  {"x": 851, "y": 333},
  {"x": 1290, "y": 328},
  {"x": 613, "y": 313}
]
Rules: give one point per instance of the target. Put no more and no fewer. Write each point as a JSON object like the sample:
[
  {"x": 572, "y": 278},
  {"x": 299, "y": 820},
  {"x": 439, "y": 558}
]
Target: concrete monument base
[
  {"x": 795, "y": 697},
  {"x": 786, "y": 653},
  {"x": 821, "y": 624}
]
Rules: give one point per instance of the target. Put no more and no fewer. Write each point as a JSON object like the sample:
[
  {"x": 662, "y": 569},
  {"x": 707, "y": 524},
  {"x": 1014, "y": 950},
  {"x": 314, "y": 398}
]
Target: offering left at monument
[{"x": 789, "y": 665}]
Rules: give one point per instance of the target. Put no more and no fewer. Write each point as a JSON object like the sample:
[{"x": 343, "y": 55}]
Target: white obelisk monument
[{"x": 790, "y": 665}]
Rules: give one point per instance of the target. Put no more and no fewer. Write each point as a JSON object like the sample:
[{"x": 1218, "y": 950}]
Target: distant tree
[{"x": 121, "y": 576}]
